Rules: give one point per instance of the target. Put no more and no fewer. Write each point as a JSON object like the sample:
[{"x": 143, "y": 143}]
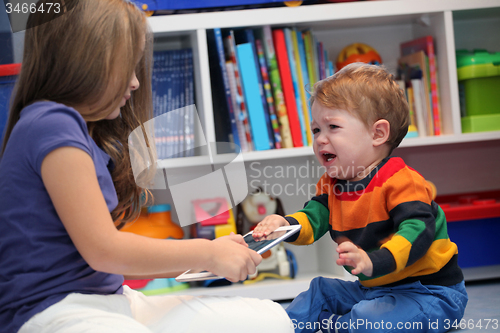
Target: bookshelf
[{"x": 455, "y": 162}]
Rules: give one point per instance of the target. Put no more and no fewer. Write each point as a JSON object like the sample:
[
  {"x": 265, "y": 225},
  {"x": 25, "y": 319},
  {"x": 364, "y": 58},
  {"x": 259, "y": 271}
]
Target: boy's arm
[{"x": 314, "y": 219}]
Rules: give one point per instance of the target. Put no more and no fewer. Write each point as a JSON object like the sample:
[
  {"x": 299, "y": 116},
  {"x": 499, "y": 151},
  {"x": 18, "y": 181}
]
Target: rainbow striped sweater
[{"x": 391, "y": 215}]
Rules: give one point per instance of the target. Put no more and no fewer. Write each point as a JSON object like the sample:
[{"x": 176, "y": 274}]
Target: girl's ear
[{"x": 381, "y": 130}]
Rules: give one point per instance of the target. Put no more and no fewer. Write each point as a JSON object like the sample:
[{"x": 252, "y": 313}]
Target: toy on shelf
[
  {"x": 214, "y": 218},
  {"x": 358, "y": 52},
  {"x": 277, "y": 262},
  {"x": 155, "y": 222},
  {"x": 255, "y": 208}
]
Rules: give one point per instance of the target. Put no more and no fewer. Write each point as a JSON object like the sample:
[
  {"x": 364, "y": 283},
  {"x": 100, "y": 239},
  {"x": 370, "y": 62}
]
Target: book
[
  {"x": 236, "y": 106},
  {"x": 315, "y": 58},
  {"x": 251, "y": 39},
  {"x": 417, "y": 62},
  {"x": 412, "y": 127},
  {"x": 230, "y": 50},
  {"x": 225, "y": 122},
  {"x": 295, "y": 82},
  {"x": 301, "y": 87},
  {"x": 189, "y": 130},
  {"x": 426, "y": 44},
  {"x": 321, "y": 61},
  {"x": 248, "y": 70},
  {"x": 269, "y": 93},
  {"x": 247, "y": 36},
  {"x": 275, "y": 80},
  {"x": 305, "y": 72},
  {"x": 309, "y": 56},
  {"x": 287, "y": 85},
  {"x": 419, "y": 99}
]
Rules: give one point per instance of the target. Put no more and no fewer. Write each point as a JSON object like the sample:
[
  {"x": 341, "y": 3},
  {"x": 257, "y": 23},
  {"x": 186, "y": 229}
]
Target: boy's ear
[{"x": 381, "y": 130}]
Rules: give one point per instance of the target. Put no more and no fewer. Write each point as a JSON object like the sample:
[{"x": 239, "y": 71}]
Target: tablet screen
[{"x": 258, "y": 245}]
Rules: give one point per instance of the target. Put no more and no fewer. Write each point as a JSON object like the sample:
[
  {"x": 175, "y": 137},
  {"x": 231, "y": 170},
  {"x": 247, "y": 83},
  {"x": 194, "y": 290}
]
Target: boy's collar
[{"x": 343, "y": 185}]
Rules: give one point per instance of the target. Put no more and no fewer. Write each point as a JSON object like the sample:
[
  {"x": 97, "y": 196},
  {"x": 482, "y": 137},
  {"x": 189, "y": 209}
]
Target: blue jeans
[{"x": 410, "y": 307}]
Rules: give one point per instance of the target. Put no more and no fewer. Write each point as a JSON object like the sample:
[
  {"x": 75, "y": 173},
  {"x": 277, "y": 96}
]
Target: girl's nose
[{"x": 134, "y": 84}]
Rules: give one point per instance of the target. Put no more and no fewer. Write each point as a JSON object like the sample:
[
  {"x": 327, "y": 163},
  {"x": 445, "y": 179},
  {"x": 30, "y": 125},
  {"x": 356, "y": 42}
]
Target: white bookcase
[{"x": 455, "y": 162}]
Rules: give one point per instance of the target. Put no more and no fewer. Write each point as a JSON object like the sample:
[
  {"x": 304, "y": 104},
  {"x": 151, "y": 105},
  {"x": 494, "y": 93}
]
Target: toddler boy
[{"x": 380, "y": 212}]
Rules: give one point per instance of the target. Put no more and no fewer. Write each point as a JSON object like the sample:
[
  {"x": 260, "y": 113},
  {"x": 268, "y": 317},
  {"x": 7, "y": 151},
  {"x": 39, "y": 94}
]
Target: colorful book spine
[
  {"x": 236, "y": 105},
  {"x": 309, "y": 57},
  {"x": 305, "y": 73},
  {"x": 189, "y": 116},
  {"x": 269, "y": 94},
  {"x": 426, "y": 44},
  {"x": 287, "y": 84},
  {"x": 301, "y": 87},
  {"x": 295, "y": 82},
  {"x": 419, "y": 106},
  {"x": 418, "y": 61},
  {"x": 321, "y": 60},
  {"x": 250, "y": 82},
  {"x": 274, "y": 77},
  {"x": 315, "y": 58},
  {"x": 251, "y": 39},
  {"x": 222, "y": 67},
  {"x": 230, "y": 45}
]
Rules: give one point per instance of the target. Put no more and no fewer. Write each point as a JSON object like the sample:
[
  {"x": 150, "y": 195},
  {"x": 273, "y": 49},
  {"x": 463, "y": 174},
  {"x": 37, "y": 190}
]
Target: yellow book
[
  {"x": 412, "y": 128},
  {"x": 302, "y": 92}
]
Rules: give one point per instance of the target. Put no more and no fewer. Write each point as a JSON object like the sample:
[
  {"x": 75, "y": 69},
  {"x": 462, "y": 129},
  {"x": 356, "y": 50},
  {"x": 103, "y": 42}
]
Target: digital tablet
[{"x": 260, "y": 246}]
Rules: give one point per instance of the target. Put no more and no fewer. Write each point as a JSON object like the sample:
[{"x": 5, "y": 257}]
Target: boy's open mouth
[{"x": 328, "y": 157}]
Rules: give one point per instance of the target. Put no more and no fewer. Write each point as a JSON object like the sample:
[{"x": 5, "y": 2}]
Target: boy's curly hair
[{"x": 370, "y": 93}]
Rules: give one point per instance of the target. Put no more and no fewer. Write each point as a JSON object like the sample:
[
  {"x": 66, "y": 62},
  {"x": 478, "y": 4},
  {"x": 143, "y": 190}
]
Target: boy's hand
[
  {"x": 268, "y": 225},
  {"x": 351, "y": 255}
]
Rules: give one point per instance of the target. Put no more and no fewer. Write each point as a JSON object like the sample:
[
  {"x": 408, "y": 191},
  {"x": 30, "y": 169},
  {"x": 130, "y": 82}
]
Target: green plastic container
[{"x": 479, "y": 87}]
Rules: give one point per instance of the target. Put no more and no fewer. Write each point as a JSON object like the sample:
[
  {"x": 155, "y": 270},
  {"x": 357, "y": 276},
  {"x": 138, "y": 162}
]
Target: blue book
[
  {"x": 251, "y": 40},
  {"x": 295, "y": 81},
  {"x": 305, "y": 73},
  {"x": 222, "y": 63},
  {"x": 189, "y": 120},
  {"x": 225, "y": 122},
  {"x": 248, "y": 71}
]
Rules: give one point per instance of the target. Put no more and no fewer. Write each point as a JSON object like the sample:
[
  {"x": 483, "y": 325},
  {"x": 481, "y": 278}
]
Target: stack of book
[
  {"x": 419, "y": 78},
  {"x": 260, "y": 80},
  {"x": 173, "y": 103}
]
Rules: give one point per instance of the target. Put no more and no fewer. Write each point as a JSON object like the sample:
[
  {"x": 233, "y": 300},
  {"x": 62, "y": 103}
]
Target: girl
[{"x": 65, "y": 178}]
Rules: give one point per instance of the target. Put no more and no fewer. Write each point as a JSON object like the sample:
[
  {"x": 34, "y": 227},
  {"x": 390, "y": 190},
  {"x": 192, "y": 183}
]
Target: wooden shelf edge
[
  {"x": 273, "y": 154},
  {"x": 304, "y": 14}
]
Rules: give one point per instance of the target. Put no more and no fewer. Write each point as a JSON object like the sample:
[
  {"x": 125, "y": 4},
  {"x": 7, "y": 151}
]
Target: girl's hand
[
  {"x": 351, "y": 255},
  {"x": 232, "y": 259},
  {"x": 268, "y": 225}
]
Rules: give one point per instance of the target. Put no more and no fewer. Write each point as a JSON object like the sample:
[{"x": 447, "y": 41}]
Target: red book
[
  {"x": 287, "y": 86},
  {"x": 426, "y": 44}
]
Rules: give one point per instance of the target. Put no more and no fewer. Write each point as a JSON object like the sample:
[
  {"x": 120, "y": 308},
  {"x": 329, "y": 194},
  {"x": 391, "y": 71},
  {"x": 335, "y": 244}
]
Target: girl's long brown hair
[{"x": 86, "y": 57}]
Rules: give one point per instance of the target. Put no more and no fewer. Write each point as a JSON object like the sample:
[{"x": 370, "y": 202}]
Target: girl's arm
[{"x": 69, "y": 176}]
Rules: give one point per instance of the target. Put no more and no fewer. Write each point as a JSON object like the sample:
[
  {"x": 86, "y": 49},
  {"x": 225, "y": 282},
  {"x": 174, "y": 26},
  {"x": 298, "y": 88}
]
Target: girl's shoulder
[
  {"x": 52, "y": 115},
  {"x": 45, "y": 126}
]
